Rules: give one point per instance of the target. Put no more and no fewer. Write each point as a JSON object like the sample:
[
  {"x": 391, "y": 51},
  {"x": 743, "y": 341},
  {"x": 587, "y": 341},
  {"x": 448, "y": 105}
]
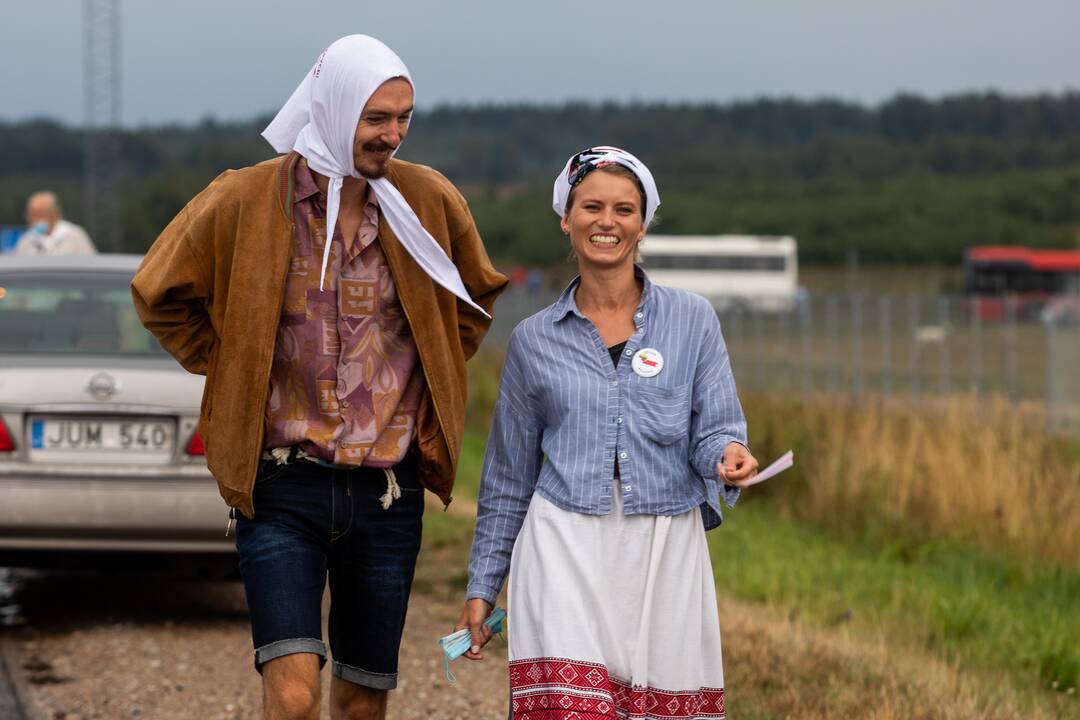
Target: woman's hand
[
  {"x": 472, "y": 617},
  {"x": 737, "y": 466}
]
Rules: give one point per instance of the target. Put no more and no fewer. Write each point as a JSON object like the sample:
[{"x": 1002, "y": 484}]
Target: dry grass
[
  {"x": 778, "y": 667},
  {"x": 982, "y": 473}
]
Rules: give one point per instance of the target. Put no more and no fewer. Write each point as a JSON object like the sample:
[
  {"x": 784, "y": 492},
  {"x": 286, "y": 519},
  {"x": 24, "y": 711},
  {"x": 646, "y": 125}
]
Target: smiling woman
[
  {"x": 616, "y": 434},
  {"x": 609, "y": 186}
]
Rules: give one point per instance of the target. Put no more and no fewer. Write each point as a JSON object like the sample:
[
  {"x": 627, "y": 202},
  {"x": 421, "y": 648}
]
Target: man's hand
[
  {"x": 474, "y": 614},
  {"x": 737, "y": 466}
]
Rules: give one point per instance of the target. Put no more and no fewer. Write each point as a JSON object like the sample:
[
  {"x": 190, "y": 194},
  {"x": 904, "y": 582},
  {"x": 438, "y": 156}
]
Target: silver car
[{"x": 99, "y": 446}]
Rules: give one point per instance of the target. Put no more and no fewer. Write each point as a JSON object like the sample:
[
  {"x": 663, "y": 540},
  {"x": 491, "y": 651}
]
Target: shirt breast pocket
[{"x": 662, "y": 414}]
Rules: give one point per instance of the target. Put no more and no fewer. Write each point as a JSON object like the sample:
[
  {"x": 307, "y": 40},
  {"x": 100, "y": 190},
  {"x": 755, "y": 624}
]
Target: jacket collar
[
  {"x": 295, "y": 186},
  {"x": 287, "y": 183},
  {"x": 305, "y": 182}
]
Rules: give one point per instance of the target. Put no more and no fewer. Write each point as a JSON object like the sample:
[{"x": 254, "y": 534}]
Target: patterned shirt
[
  {"x": 346, "y": 380},
  {"x": 565, "y": 414}
]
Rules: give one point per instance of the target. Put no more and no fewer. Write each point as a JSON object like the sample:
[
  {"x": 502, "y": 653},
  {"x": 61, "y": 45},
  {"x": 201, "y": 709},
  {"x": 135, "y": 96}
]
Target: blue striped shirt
[{"x": 565, "y": 413}]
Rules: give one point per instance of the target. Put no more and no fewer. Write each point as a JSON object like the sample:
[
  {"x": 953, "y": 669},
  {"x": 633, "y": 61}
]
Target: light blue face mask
[
  {"x": 458, "y": 643},
  {"x": 41, "y": 228}
]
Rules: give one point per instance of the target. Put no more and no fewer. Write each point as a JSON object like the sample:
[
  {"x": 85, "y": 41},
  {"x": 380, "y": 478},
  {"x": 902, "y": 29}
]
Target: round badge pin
[{"x": 648, "y": 362}]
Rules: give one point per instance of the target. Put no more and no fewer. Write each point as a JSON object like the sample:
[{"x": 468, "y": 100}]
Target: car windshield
[{"x": 71, "y": 315}]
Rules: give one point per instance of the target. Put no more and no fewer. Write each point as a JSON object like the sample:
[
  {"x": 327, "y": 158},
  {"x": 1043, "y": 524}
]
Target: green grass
[
  {"x": 467, "y": 484},
  {"x": 978, "y": 611},
  {"x": 442, "y": 569}
]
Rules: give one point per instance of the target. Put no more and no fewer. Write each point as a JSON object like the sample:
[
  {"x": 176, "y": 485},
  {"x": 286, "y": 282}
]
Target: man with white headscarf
[{"x": 331, "y": 296}]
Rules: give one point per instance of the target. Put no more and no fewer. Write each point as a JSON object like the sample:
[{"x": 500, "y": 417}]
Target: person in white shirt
[{"x": 49, "y": 233}]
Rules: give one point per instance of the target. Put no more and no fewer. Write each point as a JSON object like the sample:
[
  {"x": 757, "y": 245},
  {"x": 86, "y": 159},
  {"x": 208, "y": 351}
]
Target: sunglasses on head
[{"x": 585, "y": 162}]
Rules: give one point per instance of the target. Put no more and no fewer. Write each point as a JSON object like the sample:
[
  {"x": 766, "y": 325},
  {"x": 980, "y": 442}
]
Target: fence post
[
  {"x": 1010, "y": 347},
  {"x": 1051, "y": 374},
  {"x": 857, "y": 346},
  {"x": 832, "y": 335},
  {"x": 944, "y": 359},
  {"x": 913, "y": 348},
  {"x": 738, "y": 336},
  {"x": 808, "y": 359},
  {"x": 885, "y": 320},
  {"x": 975, "y": 308},
  {"x": 759, "y": 348},
  {"x": 783, "y": 343}
]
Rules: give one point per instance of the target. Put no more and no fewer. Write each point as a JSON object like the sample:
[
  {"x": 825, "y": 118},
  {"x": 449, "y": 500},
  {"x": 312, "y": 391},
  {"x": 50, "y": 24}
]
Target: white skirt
[{"x": 613, "y": 616}]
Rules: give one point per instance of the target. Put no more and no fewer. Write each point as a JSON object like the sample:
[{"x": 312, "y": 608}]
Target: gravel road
[{"x": 90, "y": 647}]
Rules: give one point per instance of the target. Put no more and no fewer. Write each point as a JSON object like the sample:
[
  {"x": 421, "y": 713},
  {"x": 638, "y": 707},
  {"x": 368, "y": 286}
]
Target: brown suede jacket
[{"x": 211, "y": 289}]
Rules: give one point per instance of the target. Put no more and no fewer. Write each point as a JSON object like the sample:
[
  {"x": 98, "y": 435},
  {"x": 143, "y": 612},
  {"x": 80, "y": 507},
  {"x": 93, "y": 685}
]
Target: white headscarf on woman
[
  {"x": 581, "y": 164},
  {"x": 319, "y": 122}
]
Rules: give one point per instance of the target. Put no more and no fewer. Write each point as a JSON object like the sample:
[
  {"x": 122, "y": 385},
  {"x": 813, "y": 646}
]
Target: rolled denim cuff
[
  {"x": 359, "y": 676},
  {"x": 292, "y": 646}
]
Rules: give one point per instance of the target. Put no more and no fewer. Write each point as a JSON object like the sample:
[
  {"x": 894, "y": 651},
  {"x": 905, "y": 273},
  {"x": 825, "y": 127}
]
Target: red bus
[{"x": 992, "y": 274}]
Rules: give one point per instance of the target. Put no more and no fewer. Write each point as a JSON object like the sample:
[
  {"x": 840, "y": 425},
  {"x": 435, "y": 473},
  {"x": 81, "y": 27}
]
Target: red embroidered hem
[{"x": 561, "y": 689}]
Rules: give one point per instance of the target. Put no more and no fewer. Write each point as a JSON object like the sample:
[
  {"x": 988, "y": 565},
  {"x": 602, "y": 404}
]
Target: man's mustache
[{"x": 378, "y": 147}]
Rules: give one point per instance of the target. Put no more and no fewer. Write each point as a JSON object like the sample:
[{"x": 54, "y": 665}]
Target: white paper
[{"x": 782, "y": 463}]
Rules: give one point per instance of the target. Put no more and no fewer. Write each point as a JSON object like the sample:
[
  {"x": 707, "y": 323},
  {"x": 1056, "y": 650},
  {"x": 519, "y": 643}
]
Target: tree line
[{"x": 912, "y": 180}]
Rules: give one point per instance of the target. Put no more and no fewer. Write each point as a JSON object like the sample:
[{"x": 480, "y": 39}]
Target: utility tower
[{"x": 101, "y": 149}]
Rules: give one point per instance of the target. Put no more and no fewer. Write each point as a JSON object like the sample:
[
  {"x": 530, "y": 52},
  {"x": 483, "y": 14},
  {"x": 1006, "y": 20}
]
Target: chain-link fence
[
  {"x": 1063, "y": 376},
  {"x": 914, "y": 346},
  {"x": 917, "y": 347}
]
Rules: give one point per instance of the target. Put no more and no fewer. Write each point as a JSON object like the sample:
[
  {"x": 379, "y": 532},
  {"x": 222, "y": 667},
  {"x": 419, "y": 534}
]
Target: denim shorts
[{"x": 311, "y": 522}]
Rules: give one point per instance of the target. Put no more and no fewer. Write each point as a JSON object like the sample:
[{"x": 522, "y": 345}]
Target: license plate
[{"x": 108, "y": 436}]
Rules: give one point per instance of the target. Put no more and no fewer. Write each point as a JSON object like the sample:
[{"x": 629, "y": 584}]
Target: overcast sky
[{"x": 234, "y": 59}]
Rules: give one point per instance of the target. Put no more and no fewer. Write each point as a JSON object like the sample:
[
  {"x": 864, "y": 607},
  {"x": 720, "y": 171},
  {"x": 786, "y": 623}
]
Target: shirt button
[
  {"x": 614, "y": 383},
  {"x": 344, "y": 403},
  {"x": 622, "y": 456},
  {"x": 619, "y": 420},
  {"x": 626, "y": 488},
  {"x": 637, "y": 316},
  {"x": 628, "y": 352},
  {"x": 341, "y": 386}
]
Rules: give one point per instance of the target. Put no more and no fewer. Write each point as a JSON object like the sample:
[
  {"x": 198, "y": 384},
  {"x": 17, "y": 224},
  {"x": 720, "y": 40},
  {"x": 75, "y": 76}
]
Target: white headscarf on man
[{"x": 319, "y": 121}]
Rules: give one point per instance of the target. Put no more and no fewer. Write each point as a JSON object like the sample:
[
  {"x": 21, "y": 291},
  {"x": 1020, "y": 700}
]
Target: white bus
[{"x": 751, "y": 271}]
